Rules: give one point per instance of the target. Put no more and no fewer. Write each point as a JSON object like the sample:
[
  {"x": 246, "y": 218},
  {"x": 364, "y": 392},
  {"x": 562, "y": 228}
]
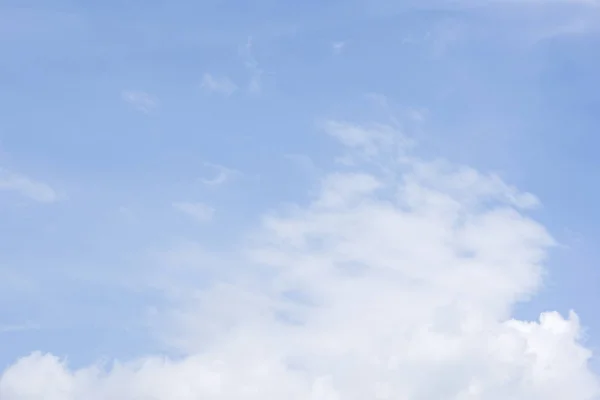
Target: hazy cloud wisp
[
  {"x": 141, "y": 101},
  {"x": 32, "y": 189},
  {"x": 220, "y": 85},
  {"x": 199, "y": 211}
]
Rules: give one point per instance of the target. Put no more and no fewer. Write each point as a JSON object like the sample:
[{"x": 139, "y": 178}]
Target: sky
[{"x": 322, "y": 200}]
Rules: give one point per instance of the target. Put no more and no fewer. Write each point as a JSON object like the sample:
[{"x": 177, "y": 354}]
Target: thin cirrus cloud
[
  {"x": 19, "y": 328},
  {"x": 222, "y": 175},
  {"x": 396, "y": 281},
  {"x": 198, "y": 211},
  {"x": 255, "y": 85},
  {"x": 27, "y": 187},
  {"x": 338, "y": 47},
  {"x": 141, "y": 101},
  {"x": 218, "y": 84}
]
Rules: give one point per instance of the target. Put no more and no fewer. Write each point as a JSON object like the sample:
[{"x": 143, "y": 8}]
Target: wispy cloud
[
  {"x": 15, "y": 282},
  {"x": 580, "y": 26},
  {"x": 19, "y": 328},
  {"x": 304, "y": 162},
  {"x": 221, "y": 85},
  {"x": 338, "y": 47},
  {"x": 369, "y": 140},
  {"x": 417, "y": 114},
  {"x": 30, "y": 188},
  {"x": 223, "y": 174},
  {"x": 251, "y": 64},
  {"x": 126, "y": 213},
  {"x": 141, "y": 101},
  {"x": 198, "y": 211}
]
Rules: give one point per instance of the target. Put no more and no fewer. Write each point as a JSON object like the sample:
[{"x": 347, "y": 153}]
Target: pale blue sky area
[{"x": 129, "y": 110}]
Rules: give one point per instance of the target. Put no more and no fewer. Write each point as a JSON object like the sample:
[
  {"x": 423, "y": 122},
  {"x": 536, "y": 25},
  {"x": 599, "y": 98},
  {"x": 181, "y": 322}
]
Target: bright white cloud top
[{"x": 396, "y": 281}]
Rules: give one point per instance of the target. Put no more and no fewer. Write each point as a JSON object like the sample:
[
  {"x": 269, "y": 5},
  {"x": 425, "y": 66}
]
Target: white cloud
[
  {"x": 25, "y": 186},
  {"x": 338, "y": 47},
  {"x": 13, "y": 282},
  {"x": 577, "y": 27},
  {"x": 397, "y": 281},
  {"x": 251, "y": 64},
  {"x": 304, "y": 163},
  {"x": 416, "y": 114},
  {"x": 223, "y": 174},
  {"x": 199, "y": 211},
  {"x": 19, "y": 327},
  {"x": 369, "y": 140},
  {"x": 255, "y": 85},
  {"x": 141, "y": 101},
  {"x": 220, "y": 85}
]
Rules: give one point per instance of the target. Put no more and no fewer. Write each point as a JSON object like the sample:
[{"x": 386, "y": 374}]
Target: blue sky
[{"x": 150, "y": 150}]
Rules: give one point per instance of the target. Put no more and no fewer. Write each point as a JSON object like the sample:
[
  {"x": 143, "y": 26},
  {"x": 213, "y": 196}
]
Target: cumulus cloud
[
  {"x": 199, "y": 211},
  {"x": 396, "y": 281},
  {"x": 220, "y": 85},
  {"x": 25, "y": 186},
  {"x": 141, "y": 101}
]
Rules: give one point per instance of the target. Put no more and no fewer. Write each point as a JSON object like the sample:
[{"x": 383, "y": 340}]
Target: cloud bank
[{"x": 396, "y": 281}]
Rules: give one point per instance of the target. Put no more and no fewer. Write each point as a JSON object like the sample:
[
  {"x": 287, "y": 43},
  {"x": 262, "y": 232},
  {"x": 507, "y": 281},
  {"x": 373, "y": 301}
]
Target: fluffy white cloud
[
  {"x": 395, "y": 282},
  {"x": 38, "y": 191}
]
